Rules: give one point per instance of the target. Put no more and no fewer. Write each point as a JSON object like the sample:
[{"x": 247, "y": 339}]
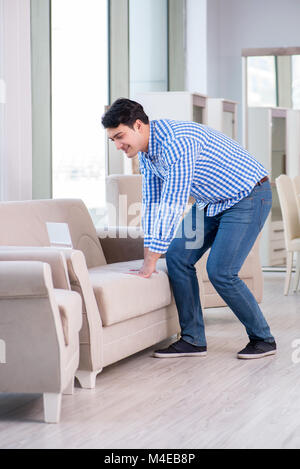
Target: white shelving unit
[
  {"x": 222, "y": 116},
  {"x": 176, "y": 105},
  {"x": 274, "y": 139}
]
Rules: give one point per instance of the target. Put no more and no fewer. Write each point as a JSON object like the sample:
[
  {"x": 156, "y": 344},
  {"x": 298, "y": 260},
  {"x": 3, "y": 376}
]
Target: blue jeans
[{"x": 230, "y": 235}]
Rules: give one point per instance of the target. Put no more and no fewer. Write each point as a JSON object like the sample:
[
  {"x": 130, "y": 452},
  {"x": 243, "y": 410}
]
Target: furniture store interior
[{"x": 120, "y": 120}]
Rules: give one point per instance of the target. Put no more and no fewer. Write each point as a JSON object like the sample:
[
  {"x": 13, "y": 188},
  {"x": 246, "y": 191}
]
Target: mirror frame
[{"x": 256, "y": 52}]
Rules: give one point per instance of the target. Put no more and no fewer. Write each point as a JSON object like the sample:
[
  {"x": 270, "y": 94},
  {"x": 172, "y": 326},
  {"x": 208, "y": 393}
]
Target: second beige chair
[{"x": 290, "y": 215}]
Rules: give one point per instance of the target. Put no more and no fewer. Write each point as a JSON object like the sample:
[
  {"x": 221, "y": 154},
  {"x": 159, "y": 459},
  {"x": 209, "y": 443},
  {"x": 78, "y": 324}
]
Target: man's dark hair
[{"x": 124, "y": 111}]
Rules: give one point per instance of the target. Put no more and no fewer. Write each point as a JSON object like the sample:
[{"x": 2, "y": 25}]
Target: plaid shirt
[{"x": 188, "y": 159}]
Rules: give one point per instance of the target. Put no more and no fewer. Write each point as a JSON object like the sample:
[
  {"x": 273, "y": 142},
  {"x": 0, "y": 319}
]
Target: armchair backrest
[
  {"x": 23, "y": 223},
  {"x": 296, "y": 185},
  {"x": 124, "y": 199},
  {"x": 289, "y": 208}
]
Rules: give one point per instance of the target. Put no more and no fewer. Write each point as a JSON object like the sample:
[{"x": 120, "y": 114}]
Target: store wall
[{"x": 233, "y": 25}]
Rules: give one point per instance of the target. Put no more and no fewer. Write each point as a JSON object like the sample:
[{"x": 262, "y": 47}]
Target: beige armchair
[
  {"x": 291, "y": 224},
  {"x": 39, "y": 333},
  {"x": 131, "y": 186}
]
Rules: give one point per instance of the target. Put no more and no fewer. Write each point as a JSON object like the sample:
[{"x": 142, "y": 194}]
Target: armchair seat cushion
[{"x": 121, "y": 296}]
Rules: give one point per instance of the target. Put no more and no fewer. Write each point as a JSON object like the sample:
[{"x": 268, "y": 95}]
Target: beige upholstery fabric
[
  {"x": 151, "y": 319},
  {"x": 54, "y": 258},
  {"x": 25, "y": 225},
  {"x": 70, "y": 314},
  {"x": 287, "y": 192},
  {"x": 127, "y": 337},
  {"x": 41, "y": 355},
  {"x": 124, "y": 199},
  {"x": 121, "y": 296},
  {"x": 296, "y": 186},
  {"x": 289, "y": 211}
]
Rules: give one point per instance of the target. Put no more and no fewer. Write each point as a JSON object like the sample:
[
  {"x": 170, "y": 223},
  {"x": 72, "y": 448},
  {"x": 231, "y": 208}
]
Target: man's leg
[
  {"x": 238, "y": 230},
  {"x": 184, "y": 251}
]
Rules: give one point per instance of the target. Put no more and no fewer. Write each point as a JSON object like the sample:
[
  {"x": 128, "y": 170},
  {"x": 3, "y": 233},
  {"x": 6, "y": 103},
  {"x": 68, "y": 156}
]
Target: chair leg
[
  {"x": 289, "y": 266},
  {"x": 297, "y": 276},
  {"x": 87, "y": 379},
  {"x": 52, "y": 407},
  {"x": 70, "y": 388}
]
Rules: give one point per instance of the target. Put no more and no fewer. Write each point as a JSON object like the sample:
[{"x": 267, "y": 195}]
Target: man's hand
[{"x": 149, "y": 265}]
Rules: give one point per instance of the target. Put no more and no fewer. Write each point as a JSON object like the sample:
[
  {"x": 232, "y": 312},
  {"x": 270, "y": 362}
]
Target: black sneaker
[
  {"x": 257, "y": 349},
  {"x": 181, "y": 348}
]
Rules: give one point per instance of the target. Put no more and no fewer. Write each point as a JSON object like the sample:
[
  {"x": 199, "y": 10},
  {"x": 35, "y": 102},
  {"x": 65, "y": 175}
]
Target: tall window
[{"x": 79, "y": 94}]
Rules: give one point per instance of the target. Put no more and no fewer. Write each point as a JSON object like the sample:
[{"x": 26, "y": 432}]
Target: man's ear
[{"x": 138, "y": 124}]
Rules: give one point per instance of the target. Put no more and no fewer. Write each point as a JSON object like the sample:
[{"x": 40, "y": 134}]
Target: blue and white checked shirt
[{"x": 183, "y": 159}]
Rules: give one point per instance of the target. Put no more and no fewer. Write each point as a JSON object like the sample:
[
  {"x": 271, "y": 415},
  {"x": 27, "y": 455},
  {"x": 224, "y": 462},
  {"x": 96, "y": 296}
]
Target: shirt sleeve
[
  {"x": 151, "y": 193},
  {"x": 179, "y": 156}
]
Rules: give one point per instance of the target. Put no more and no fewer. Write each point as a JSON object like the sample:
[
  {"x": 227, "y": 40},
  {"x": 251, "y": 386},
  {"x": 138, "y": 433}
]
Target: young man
[{"x": 233, "y": 199}]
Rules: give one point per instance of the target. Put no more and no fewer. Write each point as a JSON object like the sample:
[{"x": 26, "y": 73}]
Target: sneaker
[
  {"x": 181, "y": 348},
  {"x": 257, "y": 349}
]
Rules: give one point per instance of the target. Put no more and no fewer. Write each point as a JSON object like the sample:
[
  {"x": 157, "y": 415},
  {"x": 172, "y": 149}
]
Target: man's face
[{"x": 131, "y": 141}]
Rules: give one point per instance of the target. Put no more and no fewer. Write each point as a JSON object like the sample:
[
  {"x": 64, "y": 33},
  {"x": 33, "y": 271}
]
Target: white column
[
  {"x": 196, "y": 46},
  {"x": 16, "y": 120}
]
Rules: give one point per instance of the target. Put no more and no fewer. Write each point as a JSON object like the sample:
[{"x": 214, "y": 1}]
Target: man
[{"x": 233, "y": 198}]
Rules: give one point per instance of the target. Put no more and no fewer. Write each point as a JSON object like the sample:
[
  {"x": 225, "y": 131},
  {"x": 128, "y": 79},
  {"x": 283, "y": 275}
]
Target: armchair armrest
[
  {"x": 23, "y": 279},
  {"x": 121, "y": 243},
  {"x": 30, "y": 280},
  {"x": 51, "y": 256},
  {"x": 91, "y": 354}
]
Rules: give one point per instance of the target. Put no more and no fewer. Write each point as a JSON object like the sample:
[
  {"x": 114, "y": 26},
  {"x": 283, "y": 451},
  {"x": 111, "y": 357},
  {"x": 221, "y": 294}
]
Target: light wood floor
[{"x": 212, "y": 402}]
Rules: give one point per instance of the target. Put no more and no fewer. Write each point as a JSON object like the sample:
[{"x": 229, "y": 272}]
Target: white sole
[
  {"x": 258, "y": 355},
  {"x": 176, "y": 355}
]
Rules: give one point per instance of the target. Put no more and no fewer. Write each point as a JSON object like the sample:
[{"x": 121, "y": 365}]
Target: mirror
[{"x": 273, "y": 81}]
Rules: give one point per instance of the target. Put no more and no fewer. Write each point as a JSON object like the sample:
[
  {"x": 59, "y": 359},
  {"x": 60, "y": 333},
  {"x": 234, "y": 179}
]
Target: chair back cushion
[
  {"x": 23, "y": 223},
  {"x": 289, "y": 207},
  {"x": 124, "y": 199},
  {"x": 296, "y": 184}
]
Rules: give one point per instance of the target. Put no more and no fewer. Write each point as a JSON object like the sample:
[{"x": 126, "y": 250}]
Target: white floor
[{"x": 212, "y": 402}]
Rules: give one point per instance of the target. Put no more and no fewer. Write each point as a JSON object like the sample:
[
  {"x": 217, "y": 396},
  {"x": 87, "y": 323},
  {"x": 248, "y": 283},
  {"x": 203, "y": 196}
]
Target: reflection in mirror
[
  {"x": 261, "y": 81},
  {"x": 296, "y": 81},
  {"x": 273, "y": 80}
]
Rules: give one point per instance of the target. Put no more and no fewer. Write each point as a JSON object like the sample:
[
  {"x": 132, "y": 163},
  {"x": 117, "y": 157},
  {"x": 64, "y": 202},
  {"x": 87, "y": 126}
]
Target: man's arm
[
  {"x": 180, "y": 158},
  {"x": 151, "y": 189}
]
